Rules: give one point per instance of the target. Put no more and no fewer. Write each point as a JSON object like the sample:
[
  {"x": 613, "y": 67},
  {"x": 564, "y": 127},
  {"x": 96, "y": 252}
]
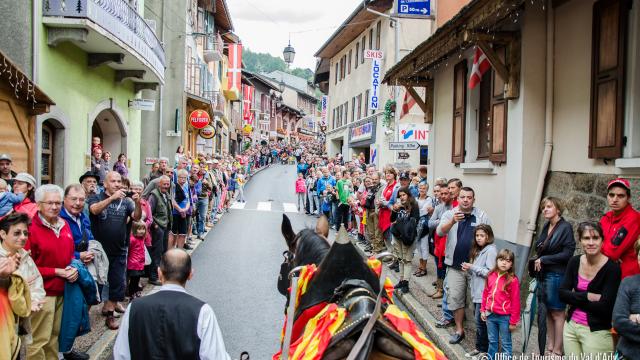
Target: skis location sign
[
  {"x": 414, "y": 7},
  {"x": 373, "y": 54},
  {"x": 375, "y": 84}
]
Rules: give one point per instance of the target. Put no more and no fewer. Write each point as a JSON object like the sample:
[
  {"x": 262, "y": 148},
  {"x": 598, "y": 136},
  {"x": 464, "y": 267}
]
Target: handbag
[
  {"x": 405, "y": 229},
  {"x": 147, "y": 257}
]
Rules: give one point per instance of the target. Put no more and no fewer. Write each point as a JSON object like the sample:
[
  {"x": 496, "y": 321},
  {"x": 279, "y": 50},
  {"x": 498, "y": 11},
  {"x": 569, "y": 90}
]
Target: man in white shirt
[{"x": 170, "y": 324}]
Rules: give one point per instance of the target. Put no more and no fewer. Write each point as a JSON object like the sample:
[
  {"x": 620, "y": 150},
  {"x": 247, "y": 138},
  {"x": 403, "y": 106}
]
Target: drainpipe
[
  {"x": 34, "y": 41},
  {"x": 161, "y": 106},
  {"x": 548, "y": 130}
]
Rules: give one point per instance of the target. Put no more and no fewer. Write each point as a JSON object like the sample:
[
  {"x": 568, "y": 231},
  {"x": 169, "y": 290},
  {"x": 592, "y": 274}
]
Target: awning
[
  {"x": 478, "y": 20},
  {"x": 198, "y": 102},
  {"x": 25, "y": 90}
]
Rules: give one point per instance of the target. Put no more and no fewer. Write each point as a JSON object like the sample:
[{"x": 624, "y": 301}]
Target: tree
[{"x": 266, "y": 63}]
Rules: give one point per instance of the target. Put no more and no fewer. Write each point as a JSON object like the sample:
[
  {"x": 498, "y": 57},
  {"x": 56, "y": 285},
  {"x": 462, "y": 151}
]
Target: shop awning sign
[
  {"x": 375, "y": 84},
  {"x": 199, "y": 119}
]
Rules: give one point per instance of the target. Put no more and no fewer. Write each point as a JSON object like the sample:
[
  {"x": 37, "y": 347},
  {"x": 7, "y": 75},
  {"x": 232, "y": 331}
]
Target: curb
[{"x": 98, "y": 349}]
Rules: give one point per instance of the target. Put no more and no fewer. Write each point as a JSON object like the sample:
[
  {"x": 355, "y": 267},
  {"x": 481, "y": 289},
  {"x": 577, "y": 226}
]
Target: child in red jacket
[
  {"x": 135, "y": 258},
  {"x": 301, "y": 190},
  {"x": 501, "y": 303}
]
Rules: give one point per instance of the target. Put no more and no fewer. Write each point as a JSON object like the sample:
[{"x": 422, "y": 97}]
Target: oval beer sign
[
  {"x": 207, "y": 132},
  {"x": 199, "y": 119}
]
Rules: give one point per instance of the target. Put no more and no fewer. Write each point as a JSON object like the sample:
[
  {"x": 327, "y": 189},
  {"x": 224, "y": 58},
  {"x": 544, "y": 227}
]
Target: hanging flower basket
[{"x": 389, "y": 112}]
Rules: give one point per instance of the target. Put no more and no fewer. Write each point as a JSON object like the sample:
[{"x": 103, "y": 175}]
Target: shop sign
[
  {"x": 207, "y": 132},
  {"x": 247, "y": 129},
  {"x": 373, "y": 54},
  {"x": 375, "y": 83},
  {"x": 403, "y": 155},
  {"x": 418, "y": 133},
  {"x": 325, "y": 104},
  {"x": 306, "y": 132},
  {"x": 199, "y": 119},
  {"x": 150, "y": 160},
  {"x": 361, "y": 132}
]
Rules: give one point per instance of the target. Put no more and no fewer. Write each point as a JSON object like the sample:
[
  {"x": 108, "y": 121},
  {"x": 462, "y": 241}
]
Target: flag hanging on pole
[
  {"x": 407, "y": 104},
  {"x": 247, "y": 102},
  {"x": 480, "y": 65},
  {"x": 234, "y": 73}
]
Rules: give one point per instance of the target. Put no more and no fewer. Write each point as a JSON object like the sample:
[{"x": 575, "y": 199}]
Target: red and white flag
[
  {"x": 407, "y": 104},
  {"x": 234, "y": 73},
  {"x": 247, "y": 102},
  {"x": 480, "y": 65}
]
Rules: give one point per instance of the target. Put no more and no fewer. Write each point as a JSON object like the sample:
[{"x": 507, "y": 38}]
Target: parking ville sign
[{"x": 414, "y": 7}]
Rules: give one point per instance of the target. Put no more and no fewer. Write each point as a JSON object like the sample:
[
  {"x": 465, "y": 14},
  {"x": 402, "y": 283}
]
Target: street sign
[
  {"x": 414, "y": 7},
  {"x": 403, "y": 155},
  {"x": 142, "y": 104},
  {"x": 403, "y": 146},
  {"x": 373, "y": 54},
  {"x": 325, "y": 105}
]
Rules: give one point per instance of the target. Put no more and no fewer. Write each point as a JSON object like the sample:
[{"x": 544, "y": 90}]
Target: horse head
[{"x": 306, "y": 247}]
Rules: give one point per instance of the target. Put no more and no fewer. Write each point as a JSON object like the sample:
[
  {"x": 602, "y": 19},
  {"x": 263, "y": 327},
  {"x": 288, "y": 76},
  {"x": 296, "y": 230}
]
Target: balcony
[
  {"x": 112, "y": 33},
  {"x": 217, "y": 101},
  {"x": 213, "y": 50}
]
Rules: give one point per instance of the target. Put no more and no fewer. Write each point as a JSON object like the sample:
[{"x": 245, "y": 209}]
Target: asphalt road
[{"x": 236, "y": 268}]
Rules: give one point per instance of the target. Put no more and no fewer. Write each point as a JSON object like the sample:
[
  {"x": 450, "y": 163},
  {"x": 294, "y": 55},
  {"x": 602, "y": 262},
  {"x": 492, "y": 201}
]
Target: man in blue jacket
[{"x": 321, "y": 184}]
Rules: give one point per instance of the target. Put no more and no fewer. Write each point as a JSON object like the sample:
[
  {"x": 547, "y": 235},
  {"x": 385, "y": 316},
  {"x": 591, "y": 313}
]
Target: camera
[{"x": 128, "y": 194}]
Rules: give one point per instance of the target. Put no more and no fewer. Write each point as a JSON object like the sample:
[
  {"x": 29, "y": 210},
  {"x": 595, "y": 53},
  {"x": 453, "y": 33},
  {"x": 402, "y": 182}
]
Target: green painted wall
[{"x": 77, "y": 90}]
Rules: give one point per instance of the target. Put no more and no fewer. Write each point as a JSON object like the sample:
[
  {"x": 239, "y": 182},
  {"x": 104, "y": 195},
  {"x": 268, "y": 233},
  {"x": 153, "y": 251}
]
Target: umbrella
[{"x": 528, "y": 315}]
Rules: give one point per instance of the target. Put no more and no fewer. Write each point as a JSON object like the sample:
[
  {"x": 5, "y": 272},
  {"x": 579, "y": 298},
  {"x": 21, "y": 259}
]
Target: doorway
[{"x": 113, "y": 138}]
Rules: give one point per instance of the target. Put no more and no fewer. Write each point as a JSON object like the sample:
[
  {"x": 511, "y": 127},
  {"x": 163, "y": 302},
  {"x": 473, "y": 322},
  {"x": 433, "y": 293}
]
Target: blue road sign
[{"x": 414, "y": 7}]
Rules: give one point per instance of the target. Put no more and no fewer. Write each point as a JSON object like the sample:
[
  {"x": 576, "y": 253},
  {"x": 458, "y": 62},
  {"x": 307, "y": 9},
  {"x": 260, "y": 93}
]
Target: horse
[{"x": 344, "y": 278}]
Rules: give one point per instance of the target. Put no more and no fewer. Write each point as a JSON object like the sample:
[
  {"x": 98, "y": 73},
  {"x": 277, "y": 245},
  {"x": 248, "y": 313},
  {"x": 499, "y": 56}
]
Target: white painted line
[
  {"x": 238, "y": 205},
  {"x": 290, "y": 207},
  {"x": 264, "y": 206}
]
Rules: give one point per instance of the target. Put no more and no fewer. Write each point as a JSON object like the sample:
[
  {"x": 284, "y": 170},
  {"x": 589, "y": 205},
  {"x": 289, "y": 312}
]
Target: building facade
[
  {"x": 356, "y": 112},
  {"x": 556, "y": 115}
]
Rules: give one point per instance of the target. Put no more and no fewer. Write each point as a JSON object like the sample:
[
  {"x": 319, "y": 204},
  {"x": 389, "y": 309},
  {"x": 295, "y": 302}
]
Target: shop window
[{"x": 424, "y": 155}]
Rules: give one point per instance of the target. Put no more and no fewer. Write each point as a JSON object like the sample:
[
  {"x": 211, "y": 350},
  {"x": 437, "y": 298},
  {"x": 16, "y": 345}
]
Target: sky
[{"x": 264, "y": 25}]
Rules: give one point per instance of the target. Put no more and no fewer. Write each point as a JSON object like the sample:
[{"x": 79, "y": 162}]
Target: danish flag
[
  {"x": 234, "y": 73},
  {"x": 480, "y": 65},
  {"x": 407, "y": 104}
]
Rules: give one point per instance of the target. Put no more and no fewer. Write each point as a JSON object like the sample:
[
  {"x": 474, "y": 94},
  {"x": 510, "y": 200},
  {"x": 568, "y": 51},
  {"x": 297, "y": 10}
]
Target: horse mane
[{"x": 311, "y": 248}]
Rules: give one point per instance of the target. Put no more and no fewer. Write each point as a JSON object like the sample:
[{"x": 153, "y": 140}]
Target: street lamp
[
  {"x": 289, "y": 53},
  {"x": 281, "y": 85}
]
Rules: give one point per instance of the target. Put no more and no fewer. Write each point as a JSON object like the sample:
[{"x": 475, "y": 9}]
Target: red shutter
[
  {"x": 610, "y": 20},
  {"x": 498, "y": 149},
  {"x": 459, "y": 110}
]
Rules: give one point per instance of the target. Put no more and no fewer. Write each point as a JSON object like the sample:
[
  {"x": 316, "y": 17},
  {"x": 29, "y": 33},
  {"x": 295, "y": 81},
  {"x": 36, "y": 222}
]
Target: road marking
[
  {"x": 290, "y": 207},
  {"x": 264, "y": 206},
  {"x": 238, "y": 205}
]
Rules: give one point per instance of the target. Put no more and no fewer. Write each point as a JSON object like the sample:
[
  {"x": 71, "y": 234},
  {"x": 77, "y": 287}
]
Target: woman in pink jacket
[
  {"x": 301, "y": 190},
  {"x": 501, "y": 303}
]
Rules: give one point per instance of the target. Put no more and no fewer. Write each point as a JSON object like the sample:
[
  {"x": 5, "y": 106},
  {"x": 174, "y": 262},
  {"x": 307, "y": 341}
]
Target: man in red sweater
[
  {"x": 51, "y": 244},
  {"x": 621, "y": 227}
]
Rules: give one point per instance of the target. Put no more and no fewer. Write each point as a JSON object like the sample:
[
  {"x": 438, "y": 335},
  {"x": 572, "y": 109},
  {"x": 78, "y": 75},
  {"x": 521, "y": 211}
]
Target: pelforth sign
[
  {"x": 325, "y": 105},
  {"x": 375, "y": 83}
]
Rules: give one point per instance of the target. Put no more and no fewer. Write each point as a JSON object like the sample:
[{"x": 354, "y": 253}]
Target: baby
[{"x": 8, "y": 199}]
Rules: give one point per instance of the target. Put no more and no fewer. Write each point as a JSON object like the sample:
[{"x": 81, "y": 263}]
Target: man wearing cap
[
  {"x": 89, "y": 181},
  {"x": 621, "y": 227},
  {"x": 5, "y": 169}
]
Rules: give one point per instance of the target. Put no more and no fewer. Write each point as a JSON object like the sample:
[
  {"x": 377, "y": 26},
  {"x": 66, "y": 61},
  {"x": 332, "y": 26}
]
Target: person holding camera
[
  {"x": 405, "y": 215},
  {"x": 458, "y": 224},
  {"x": 554, "y": 248},
  {"x": 110, "y": 215}
]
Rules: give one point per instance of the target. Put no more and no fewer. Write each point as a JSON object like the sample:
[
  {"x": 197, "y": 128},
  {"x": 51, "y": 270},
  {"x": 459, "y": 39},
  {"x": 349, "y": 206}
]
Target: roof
[
  {"x": 352, "y": 27},
  {"x": 222, "y": 16},
  {"x": 450, "y": 37},
  {"x": 253, "y": 77},
  {"x": 296, "y": 83},
  {"x": 9, "y": 72}
]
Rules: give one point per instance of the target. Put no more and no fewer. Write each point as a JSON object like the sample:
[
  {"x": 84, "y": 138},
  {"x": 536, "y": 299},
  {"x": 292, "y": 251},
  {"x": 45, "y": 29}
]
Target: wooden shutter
[
  {"x": 610, "y": 19},
  {"x": 498, "y": 149},
  {"x": 459, "y": 110}
]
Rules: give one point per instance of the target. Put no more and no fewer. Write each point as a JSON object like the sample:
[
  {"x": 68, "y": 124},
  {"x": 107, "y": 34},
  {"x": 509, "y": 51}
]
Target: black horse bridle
[{"x": 285, "y": 269}]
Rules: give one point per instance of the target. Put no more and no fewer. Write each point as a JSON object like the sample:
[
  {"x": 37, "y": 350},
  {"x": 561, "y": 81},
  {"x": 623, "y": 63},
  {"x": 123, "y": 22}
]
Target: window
[
  {"x": 339, "y": 115},
  {"x": 366, "y": 104},
  {"x": 333, "y": 119},
  {"x": 346, "y": 112},
  {"x": 378, "y": 29},
  {"x": 336, "y": 73},
  {"x": 498, "y": 124},
  {"x": 364, "y": 41},
  {"x": 349, "y": 63},
  {"x": 353, "y": 109},
  {"x": 459, "y": 109},
  {"x": 484, "y": 119},
  {"x": 46, "y": 156},
  {"x": 344, "y": 66},
  {"x": 370, "y": 39},
  {"x": 359, "y": 106},
  {"x": 357, "y": 55},
  {"x": 610, "y": 23}
]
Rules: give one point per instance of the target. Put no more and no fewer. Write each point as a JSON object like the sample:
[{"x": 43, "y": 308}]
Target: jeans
[
  {"x": 498, "y": 331},
  {"x": 342, "y": 216},
  {"x": 334, "y": 214},
  {"x": 240, "y": 196},
  {"x": 313, "y": 201},
  {"x": 482, "y": 340},
  {"x": 201, "y": 205},
  {"x": 300, "y": 197}
]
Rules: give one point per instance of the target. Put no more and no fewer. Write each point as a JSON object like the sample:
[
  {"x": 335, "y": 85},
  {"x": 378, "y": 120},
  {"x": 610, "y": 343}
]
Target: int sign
[
  {"x": 414, "y": 7},
  {"x": 373, "y": 54},
  {"x": 375, "y": 84},
  {"x": 199, "y": 119}
]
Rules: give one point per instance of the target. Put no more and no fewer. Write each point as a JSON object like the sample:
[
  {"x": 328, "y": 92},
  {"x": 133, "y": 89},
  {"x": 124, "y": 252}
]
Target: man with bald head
[
  {"x": 112, "y": 213},
  {"x": 187, "y": 326}
]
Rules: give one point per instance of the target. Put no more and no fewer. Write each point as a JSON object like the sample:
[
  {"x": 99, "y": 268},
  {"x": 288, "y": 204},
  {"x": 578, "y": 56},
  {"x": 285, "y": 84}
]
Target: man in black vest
[{"x": 170, "y": 324}]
